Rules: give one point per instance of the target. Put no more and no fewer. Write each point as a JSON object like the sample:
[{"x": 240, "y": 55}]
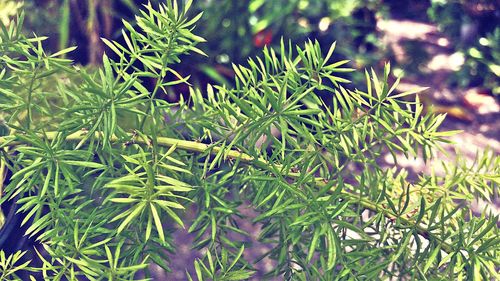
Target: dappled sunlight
[
  {"x": 446, "y": 62},
  {"x": 396, "y": 30}
]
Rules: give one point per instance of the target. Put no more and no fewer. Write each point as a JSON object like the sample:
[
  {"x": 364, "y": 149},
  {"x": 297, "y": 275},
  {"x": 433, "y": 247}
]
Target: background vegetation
[{"x": 237, "y": 30}]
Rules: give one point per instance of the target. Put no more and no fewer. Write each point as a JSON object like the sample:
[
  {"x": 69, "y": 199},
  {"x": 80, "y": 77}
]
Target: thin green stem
[
  {"x": 159, "y": 80},
  {"x": 30, "y": 98}
]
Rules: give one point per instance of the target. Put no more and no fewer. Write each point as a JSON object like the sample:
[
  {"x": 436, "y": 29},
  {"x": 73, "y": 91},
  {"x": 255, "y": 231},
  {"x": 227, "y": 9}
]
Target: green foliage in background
[
  {"x": 106, "y": 168},
  {"x": 473, "y": 29},
  {"x": 235, "y": 30}
]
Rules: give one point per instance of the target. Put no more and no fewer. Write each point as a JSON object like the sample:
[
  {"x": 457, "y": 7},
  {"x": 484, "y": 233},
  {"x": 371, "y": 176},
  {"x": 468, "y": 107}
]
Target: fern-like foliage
[{"x": 105, "y": 168}]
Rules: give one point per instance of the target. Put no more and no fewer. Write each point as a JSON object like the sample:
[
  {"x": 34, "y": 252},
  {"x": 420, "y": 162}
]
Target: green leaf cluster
[{"x": 105, "y": 168}]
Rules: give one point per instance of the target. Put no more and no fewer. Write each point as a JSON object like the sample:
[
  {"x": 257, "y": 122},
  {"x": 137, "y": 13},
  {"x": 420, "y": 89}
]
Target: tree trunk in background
[{"x": 98, "y": 10}]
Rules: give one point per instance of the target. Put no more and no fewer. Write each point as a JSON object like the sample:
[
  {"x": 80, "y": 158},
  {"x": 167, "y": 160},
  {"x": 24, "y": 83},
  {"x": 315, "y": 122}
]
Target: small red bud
[{"x": 263, "y": 38}]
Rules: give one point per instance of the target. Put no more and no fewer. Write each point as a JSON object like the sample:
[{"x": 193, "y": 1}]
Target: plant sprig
[{"x": 105, "y": 168}]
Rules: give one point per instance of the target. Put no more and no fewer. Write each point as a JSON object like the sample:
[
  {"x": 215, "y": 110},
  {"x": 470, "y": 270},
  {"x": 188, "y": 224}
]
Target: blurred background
[{"x": 450, "y": 46}]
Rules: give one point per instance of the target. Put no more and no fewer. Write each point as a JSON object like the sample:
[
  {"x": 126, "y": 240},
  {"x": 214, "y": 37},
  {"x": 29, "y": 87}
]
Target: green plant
[
  {"x": 11, "y": 264},
  {"x": 473, "y": 30},
  {"x": 483, "y": 63},
  {"x": 105, "y": 168}
]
